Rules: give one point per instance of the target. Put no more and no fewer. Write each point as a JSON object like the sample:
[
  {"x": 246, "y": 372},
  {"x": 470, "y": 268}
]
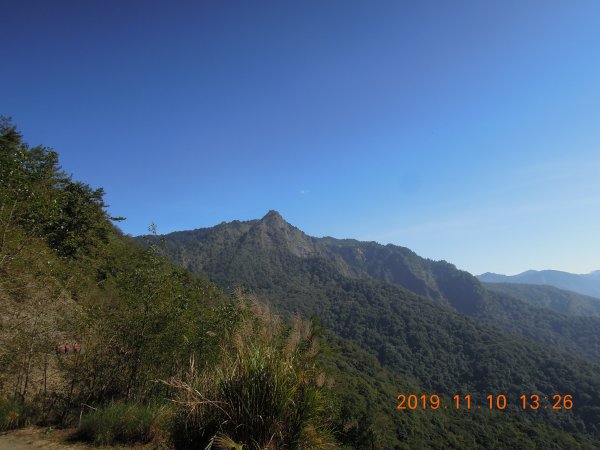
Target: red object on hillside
[
  {"x": 75, "y": 348},
  {"x": 67, "y": 348}
]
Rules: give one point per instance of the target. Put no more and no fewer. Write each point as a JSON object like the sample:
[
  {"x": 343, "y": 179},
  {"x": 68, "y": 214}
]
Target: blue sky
[{"x": 466, "y": 131}]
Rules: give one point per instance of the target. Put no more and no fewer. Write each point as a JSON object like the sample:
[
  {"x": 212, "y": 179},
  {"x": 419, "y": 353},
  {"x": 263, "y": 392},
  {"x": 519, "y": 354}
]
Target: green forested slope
[
  {"x": 366, "y": 394},
  {"x": 254, "y": 253},
  {"x": 148, "y": 333},
  {"x": 431, "y": 341},
  {"x": 550, "y": 297}
]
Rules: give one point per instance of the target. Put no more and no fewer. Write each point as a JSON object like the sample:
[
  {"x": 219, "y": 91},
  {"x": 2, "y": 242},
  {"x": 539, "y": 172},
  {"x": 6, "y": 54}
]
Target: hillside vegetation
[
  {"x": 69, "y": 278},
  {"x": 423, "y": 320},
  {"x": 550, "y": 297},
  {"x": 265, "y": 254}
]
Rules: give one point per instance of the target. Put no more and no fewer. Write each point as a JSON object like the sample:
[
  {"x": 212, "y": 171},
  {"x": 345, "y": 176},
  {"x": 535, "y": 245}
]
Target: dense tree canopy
[{"x": 447, "y": 331}]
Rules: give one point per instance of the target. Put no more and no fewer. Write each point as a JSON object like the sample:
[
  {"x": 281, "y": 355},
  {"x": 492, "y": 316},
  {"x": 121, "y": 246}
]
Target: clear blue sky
[{"x": 466, "y": 131}]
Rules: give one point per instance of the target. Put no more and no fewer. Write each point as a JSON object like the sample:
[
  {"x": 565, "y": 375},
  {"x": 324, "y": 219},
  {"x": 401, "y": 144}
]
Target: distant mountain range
[
  {"x": 423, "y": 320},
  {"x": 587, "y": 284}
]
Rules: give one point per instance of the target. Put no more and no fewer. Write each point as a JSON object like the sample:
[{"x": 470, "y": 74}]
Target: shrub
[
  {"x": 263, "y": 393},
  {"x": 119, "y": 423},
  {"x": 12, "y": 414}
]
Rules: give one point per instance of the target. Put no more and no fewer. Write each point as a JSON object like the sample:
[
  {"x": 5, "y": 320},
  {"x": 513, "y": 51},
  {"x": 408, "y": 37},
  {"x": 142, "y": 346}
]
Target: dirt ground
[{"x": 35, "y": 438}]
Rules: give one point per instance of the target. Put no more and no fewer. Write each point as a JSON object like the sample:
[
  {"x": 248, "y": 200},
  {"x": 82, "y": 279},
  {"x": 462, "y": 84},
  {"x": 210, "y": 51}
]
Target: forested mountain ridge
[
  {"x": 559, "y": 300},
  {"x": 257, "y": 253},
  {"x": 586, "y": 284},
  {"x": 350, "y": 257},
  {"x": 423, "y": 319}
]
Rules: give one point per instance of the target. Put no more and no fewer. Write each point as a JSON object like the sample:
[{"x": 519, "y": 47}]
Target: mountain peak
[
  {"x": 272, "y": 215},
  {"x": 273, "y": 218},
  {"x": 274, "y": 232}
]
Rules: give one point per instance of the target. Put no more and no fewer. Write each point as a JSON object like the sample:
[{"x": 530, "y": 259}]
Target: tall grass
[
  {"x": 118, "y": 423},
  {"x": 12, "y": 414},
  {"x": 264, "y": 393}
]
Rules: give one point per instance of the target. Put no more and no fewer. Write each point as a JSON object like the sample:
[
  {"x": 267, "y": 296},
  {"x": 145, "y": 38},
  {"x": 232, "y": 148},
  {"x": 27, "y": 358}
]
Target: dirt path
[{"x": 36, "y": 438}]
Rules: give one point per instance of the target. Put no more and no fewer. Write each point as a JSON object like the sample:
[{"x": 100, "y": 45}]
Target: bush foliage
[
  {"x": 264, "y": 392},
  {"x": 119, "y": 423}
]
